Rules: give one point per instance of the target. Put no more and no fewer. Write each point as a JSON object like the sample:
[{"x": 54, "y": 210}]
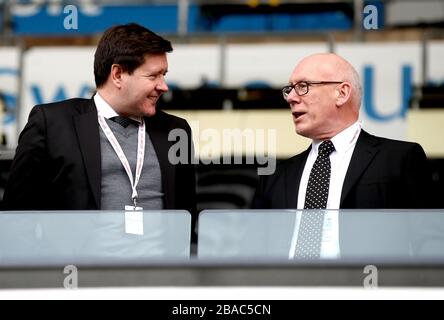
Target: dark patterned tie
[
  {"x": 123, "y": 121},
  {"x": 310, "y": 227}
]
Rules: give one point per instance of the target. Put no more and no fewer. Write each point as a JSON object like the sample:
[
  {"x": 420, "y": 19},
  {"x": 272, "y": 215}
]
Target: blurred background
[{"x": 230, "y": 60}]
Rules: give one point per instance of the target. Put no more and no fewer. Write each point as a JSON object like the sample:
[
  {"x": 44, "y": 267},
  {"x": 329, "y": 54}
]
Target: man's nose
[
  {"x": 162, "y": 85},
  {"x": 293, "y": 97}
]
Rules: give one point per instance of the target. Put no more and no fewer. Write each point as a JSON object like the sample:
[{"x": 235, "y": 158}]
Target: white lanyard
[{"x": 123, "y": 159}]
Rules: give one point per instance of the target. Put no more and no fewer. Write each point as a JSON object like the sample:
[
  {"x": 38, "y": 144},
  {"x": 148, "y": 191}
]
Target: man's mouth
[
  {"x": 153, "y": 98},
  {"x": 296, "y": 115}
]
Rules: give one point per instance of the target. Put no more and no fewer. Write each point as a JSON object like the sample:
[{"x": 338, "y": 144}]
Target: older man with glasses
[{"x": 344, "y": 167}]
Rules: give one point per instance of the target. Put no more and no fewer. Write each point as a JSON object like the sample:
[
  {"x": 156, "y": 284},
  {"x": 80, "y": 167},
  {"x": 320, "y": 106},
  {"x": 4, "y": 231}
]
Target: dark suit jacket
[
  {"x": 383, "y": 173},
  {"x": 58, "y": 163}
]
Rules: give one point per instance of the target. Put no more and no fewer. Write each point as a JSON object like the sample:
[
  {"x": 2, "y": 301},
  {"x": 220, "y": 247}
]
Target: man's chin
[
  {"x": 149, "y": 112},
  {"x": 302, "y": 132}
]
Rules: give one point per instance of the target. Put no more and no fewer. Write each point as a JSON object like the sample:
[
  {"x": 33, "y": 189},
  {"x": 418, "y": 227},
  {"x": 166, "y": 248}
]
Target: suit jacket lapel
[
  {"x": 293, "y": 174},
  {"x": 365, "y": 150},
  {"x": 87, "y": 130},
  {"x": 159, "y": 138}
]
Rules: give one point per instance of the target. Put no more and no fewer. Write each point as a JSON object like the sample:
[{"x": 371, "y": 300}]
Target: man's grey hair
[{"x": 355, "y": 81}]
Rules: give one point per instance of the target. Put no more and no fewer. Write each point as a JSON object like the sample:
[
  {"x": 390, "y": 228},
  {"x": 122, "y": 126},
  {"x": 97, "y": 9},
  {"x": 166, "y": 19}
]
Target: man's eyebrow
[{"x": 154, "y": 72}]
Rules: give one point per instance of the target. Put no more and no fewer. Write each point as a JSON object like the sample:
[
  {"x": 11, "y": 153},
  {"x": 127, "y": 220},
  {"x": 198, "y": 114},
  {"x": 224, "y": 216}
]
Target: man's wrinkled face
[{"x": 315, "y": 113}]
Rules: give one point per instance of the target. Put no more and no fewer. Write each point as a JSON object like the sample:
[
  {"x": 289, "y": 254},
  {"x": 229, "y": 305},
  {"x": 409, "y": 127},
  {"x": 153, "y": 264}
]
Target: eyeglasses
[{"x": 301, "y": 88}]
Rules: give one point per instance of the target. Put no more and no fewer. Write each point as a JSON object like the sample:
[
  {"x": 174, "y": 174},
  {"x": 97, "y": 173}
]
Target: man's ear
[
  {"x": 343, "y": 93},
  {"x": 116, "y": 75}
]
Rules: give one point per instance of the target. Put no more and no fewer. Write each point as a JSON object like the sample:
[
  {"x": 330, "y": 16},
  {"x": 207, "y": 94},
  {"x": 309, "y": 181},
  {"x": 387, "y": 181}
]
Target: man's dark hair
[{"x": 127, "y": 46}]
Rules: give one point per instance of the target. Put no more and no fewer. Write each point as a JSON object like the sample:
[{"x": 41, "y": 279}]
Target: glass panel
[
  {"x": 354, "y": 234},
  {"x": 54, "y": 237}
]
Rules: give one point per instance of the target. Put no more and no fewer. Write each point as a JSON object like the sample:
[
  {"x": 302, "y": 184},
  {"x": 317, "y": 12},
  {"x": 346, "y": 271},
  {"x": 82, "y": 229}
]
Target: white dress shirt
[
  {"x": 105, "y": 109},
  {"x": 344, "y": 143}
]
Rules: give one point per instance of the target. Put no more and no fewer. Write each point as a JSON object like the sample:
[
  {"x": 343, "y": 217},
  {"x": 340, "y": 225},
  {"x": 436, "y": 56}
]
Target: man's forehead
[
  {"x": 315, "y": 68},
  {"x": 155, "y": 62},
  {"x": 305, "y": 71}
]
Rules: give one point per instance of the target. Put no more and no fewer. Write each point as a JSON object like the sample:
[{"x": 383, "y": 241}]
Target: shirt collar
[
  {"x": 103, "y": 107},
  {"x": 343, "y": 139},
  {"x": 106, "y": 110}
]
